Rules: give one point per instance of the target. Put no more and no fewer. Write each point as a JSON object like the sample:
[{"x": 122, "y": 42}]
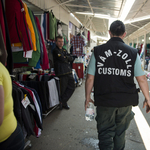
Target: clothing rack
[
  {"x": 19, "y": 70},
  {"x": 52, "y": 109}
]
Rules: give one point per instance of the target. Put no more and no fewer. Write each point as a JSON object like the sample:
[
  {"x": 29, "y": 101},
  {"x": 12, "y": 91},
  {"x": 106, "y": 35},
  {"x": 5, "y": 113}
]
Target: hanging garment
[
  {"x": 17, "y": 94},
  {"x": 41, "y": 46},
  {"x": 35, "y": 55},
  {"x": 52, "y": 26},
  {"x": 59, "y": 29},
  {"x": 45, "y": 64},
  {"x": 53, "y": 93},
  {"x": 79, "y": 69},
  {"x": 9, "y": 65},
  {"x": 18, "y": 29},
  {"x": 2, "y": 23},
  {"x": 19, "y": 61},
  {"x": 34, "y": 108},
  {"x": 50, "y": 46},
  {"x": 44, "y": 25},
  {"x": 42, "y": 90},
  {"x": 30, "y": 26},
  {"x": 78, "y": 43},
  {"x": 88, "y": 36},
  {"x": 57, "y": 80},
  {"x": 65, "y": 41},
  {"x": 26, "y": 115},
  {"x": 89, "y": 39},
  {"x": 41, "y": 24},
  {"x": 3, "y": 53},
  {"x": 48, "y": 26}
]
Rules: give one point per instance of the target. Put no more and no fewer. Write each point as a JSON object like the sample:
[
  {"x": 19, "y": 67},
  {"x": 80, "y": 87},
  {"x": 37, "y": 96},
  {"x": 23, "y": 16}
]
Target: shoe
[
  {"x": 60, "y": 106},
  {"x": 66, "y": 106}
]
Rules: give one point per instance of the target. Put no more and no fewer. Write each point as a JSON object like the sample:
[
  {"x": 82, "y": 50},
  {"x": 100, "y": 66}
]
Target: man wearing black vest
[{"x": 111, "y": 70}]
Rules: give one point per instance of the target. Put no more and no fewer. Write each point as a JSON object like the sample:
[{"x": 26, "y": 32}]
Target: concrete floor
[{"x": 68, "y": 130}]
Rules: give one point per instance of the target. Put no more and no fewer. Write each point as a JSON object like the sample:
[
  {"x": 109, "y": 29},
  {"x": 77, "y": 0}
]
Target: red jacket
[{"x": 17, "y": 25}]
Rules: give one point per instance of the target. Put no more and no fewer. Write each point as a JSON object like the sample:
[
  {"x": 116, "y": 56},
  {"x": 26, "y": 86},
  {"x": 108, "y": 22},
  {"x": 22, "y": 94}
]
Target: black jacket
[
  {"x": 114, "y": 77},
  {"x": 62, "y": 61}
]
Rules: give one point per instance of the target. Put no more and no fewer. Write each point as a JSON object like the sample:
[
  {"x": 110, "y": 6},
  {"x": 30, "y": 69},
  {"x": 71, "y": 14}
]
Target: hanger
[
  {"x": 52, "y": 13},
  {"x": 46, "y": 11}
]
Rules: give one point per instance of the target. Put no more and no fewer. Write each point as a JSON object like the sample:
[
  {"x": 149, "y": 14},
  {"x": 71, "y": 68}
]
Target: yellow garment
[
  {"x": 16, "y": 44},
  {"x": 30, "y": 26},
  {"x": 9, "y": 123}
]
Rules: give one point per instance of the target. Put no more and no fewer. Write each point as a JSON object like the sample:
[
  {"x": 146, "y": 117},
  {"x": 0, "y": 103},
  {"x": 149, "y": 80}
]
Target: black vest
[{"x": 114, "y": 77}]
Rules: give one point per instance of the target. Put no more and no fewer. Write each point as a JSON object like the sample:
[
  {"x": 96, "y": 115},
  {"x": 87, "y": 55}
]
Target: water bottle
[{"x": 89, "y": 114}]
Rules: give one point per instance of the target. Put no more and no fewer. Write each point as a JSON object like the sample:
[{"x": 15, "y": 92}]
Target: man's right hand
[
  {"x": 147, "y": 104},
  {"x": 87, "y": 103}
]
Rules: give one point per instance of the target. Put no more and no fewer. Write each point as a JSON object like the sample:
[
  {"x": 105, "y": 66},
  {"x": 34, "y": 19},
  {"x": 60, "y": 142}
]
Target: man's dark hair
[
  {"x": 117, "y": 28},
  {"x": 59, "y": 37}
]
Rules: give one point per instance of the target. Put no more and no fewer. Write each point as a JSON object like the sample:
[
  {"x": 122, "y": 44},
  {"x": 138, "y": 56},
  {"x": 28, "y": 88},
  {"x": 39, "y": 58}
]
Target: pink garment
[
  {"x": 88, "y": 36},
  {"x": 45, "y": 64}
]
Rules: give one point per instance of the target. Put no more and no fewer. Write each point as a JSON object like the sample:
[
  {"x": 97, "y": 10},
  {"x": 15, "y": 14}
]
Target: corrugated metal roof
[{"x": 112, "y": 8}]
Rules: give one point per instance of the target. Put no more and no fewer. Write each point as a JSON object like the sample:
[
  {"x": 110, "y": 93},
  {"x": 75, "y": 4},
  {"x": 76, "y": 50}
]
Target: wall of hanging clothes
[
  {"x": 6, "y": 37},
  {"x": 23, "y": 36},
  {"x": 27, "y": 42},
  {"x": 35, "y": 94}
]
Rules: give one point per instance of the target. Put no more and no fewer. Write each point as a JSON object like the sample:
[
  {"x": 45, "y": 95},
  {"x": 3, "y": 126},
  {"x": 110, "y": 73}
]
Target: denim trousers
[{"x": 15, "y": 141}]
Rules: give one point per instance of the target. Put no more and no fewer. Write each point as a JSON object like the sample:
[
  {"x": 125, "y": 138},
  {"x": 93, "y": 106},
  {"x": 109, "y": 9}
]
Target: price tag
[
  {"x": 77, "y": 49},
  {"x": 25, "y": 102}
]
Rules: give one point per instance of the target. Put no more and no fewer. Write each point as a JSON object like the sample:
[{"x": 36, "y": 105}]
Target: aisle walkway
[{"x": 68, "y": 130}]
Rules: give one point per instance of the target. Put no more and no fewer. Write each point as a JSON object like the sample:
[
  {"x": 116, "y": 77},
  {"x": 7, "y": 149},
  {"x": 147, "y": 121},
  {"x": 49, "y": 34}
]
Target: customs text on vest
[{"x": 114, "y": 77}]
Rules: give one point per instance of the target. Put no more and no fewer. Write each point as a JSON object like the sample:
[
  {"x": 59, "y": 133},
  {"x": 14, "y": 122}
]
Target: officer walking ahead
[
  {"x": 63, "y": 71},
  {"x": 111, "y": 70}
]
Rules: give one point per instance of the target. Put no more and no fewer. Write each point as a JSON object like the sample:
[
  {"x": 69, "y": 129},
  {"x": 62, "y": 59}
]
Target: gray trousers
[{"x": 112, "y": 123}]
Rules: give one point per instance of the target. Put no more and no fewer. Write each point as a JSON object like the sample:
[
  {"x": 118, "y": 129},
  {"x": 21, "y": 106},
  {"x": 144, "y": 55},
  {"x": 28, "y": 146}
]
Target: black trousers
[
  {"x": 112, "y": 123},
  {"x": 67, "y": 87}
]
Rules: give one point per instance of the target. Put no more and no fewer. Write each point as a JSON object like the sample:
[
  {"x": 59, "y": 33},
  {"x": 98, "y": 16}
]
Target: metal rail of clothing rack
[
  {"x": 27, "y": 144},
  {"x": 53, "y": 108}
]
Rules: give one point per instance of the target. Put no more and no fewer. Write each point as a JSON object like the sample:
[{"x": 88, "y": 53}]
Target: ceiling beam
[
  {"x": 105, "y": 23},
  {"x": 59, "y": 4},
  {"x": 90, "y": 19},
  {"x": 134, "y": 25},
  {"x": 86, "y": 19},
  {"x": 93, "y": 25},
  {"x": 63, "y": 6},
  {"x": 140, "y": 8},
  {"x": 137, "y": 26},
  {"x": 90, "y": 6},
  {"x": 81, "y": 6}
]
